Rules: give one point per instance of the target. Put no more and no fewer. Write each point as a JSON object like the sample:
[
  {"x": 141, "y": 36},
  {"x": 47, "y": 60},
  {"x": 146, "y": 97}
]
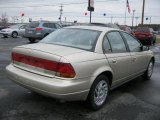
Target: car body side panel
[
  {"x": 139, "y": 62},
  {"x": 121, "y": 65},
  {"x": 93, "y": 63}
]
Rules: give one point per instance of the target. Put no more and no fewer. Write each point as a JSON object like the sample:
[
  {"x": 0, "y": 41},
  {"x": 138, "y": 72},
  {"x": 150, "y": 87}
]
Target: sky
[{"x": 76, "y": 9}]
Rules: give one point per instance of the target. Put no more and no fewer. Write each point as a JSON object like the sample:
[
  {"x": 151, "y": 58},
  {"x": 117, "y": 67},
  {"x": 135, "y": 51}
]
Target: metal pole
[
  {"x": 65, "y": 20},
  {"x": 90, "y": 16},
  {"x": 125, "y": 14},
  {"x": 143, "y": 12},
  {"x": 133, "y": 18},
  {"x": 61, "y": 10},
  {"x": 111, "y": 18},
  {"x": 136, "y": 20},
  {"x": 150, "y": 21}
]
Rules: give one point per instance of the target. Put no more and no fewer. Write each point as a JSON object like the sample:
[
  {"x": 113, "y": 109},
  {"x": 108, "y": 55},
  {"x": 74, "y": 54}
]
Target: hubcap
[
  {"x": 100, "y": 92},
  {"x": 150, "y": 69},
  {"x": 15, "y": 34}
]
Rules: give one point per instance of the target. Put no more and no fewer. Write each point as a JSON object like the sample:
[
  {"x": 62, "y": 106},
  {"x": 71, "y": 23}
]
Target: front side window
[
  {"x": 78, "y": 38},
  {"x": 23, "y": 27},
  {"x": 133, "y": 44},
  {"x": 116, "y": 42}
]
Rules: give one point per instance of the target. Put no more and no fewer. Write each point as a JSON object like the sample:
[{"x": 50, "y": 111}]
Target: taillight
[
  {"x": 65, "y": 70},
  {"x": 39, "y": 29},
  {"x": 150, "y": 34},
  {"x": 62, "y": 69}
]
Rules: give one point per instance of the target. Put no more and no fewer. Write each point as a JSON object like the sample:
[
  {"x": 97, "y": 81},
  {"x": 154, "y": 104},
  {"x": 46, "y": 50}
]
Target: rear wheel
[
  {"x": 14, "y": 34},
  {"x": 148, "y": 73},
  {"x": 150, "y": 42},
  {"x": 31, "y": 40},
  {"x": 98, "y": 93},
  {"x": 46, "y": 35},
  {"x": 154, "y": 41}
]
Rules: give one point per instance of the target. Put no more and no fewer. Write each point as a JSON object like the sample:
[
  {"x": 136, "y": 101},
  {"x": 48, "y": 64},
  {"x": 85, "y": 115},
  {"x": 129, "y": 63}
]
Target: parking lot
[{"x": 136, "y": 100}]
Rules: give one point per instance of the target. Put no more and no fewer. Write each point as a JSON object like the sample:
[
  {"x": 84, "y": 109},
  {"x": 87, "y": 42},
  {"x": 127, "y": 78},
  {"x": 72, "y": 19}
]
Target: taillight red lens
[
  {"x": 62, "y": 69},
  {"x": 65, "y": 70},
  {"x": 150, "y": 34},
  {"x": 34, "y": 61},
  {"x": 39, "y": 29}
]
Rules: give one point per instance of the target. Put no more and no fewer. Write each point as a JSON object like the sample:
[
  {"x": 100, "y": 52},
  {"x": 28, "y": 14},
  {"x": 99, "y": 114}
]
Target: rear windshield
[
  {"x": 77, "y": 38},
  {"x": 33, "y": 25},
  {"x": 140, "y": 29}
]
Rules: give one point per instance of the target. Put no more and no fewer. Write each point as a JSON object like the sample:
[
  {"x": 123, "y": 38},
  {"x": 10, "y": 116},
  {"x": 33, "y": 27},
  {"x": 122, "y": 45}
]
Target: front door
[{"x": 139, "y": 57}]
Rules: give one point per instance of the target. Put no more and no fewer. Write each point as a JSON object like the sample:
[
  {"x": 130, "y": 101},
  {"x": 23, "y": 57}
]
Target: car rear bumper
[
  {"x": 68, "y": 90},
  {"x": 5, "y": 33},
  {"x": 34, "y": 36}
]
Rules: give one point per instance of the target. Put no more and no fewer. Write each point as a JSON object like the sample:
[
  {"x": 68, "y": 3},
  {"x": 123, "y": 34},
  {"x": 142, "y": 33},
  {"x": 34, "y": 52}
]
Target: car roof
[{"x": 98, "y": 28}]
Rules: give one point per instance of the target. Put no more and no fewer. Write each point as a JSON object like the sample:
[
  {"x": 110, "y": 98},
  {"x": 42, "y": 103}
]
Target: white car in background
[{"x": 14, "y": 31}]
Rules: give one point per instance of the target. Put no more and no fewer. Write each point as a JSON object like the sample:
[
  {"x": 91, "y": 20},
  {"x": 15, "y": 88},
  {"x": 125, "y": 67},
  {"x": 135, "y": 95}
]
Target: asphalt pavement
[{"x": 136, "y": 100}]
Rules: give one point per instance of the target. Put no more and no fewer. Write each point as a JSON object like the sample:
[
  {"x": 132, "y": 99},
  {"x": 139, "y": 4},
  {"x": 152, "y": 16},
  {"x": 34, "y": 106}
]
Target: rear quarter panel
[{"x": 88, "y": 64}]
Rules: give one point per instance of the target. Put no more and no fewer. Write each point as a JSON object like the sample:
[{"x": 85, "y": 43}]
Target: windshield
[
  {"x": 78, "y": 38},
  {"x": 14, "y": 26}
]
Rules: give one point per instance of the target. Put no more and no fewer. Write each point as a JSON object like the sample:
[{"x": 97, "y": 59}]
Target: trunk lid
[
  {"x": 31, "y": 28},
  {"x": 41, "y": 58}
]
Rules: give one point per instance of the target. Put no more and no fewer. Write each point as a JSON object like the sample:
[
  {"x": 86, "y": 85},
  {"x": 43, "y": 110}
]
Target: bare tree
[{"x": 4, "y": 19}]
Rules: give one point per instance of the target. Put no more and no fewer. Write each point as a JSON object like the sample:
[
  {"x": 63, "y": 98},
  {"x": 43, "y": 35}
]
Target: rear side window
[
  {"x": 33, "y": 25},
  {"x": 116, "y": 42},
  {"x": 51, "y": 25},
  {"x": 45, "y": 24}
]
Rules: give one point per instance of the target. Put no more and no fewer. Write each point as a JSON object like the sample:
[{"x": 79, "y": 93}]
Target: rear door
[
  {"x": 30, "y": 29},
  {"x": 117, "y": 55},
  {"x": 139, "y": 57}
]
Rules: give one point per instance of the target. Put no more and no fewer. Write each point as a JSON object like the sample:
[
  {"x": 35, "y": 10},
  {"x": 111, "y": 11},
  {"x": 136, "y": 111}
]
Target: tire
[
  {"x": 46, "y": 35},
  {"x": 148, "y": 73},
  {"x": 14, "y": 34},
  {"x": 31, "y": 40},
  {"x": 98, "y": 93},
  {"x": 154, "y": 41},
  {"x": 150, "y": 42}
]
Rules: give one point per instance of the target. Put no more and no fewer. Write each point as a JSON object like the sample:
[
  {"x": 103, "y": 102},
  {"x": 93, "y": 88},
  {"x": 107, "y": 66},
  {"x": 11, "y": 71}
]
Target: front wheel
[
  {"x": 148, "y": 73},
  {"x": 14, "y": 34},
  {"x": 98, "y": 93}
]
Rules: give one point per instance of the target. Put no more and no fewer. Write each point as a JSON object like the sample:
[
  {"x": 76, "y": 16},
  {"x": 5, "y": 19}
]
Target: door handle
[{"x": 114, "y": 61}]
